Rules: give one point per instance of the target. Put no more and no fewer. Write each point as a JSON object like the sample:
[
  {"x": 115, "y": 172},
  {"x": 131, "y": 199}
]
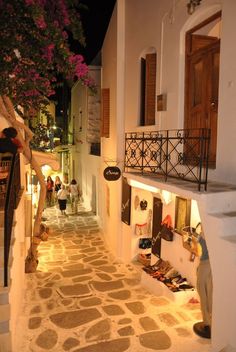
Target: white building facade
[{"x": 163, "y": 28}]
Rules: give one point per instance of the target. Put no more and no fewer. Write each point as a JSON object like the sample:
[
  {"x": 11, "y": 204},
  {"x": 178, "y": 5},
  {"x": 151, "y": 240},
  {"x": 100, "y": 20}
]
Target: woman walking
[
  {"x": 62, "y": 199},
  {"x": 74, "y": 195},
  {"x": 57, "y": 185},
  {"x": 50, "y": 186}
]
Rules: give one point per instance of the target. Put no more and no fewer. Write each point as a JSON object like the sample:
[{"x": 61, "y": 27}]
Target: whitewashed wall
[
  {"x": 113, "y": 147},
  {"x": 162, "y": 25},
  {"x": 85, "y": 167}
]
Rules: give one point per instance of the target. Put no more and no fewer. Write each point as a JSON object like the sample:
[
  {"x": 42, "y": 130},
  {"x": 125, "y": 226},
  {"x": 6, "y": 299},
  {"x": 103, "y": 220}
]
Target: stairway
[
  {"x": 5, "y": 335},
  {"x": 218, "y": 214}
]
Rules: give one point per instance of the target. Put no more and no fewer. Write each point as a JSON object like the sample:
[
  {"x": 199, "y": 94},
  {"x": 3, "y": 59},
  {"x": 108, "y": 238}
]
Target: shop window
[{"x": 95, "y": 149}]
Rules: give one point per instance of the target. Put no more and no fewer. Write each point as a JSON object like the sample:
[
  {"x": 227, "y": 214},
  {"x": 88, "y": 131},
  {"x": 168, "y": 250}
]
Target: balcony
[{"x": 180, "y": 154}]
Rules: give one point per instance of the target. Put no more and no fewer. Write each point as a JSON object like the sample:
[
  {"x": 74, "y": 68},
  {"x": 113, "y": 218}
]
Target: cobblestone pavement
[{"x": 82, "y": 299}]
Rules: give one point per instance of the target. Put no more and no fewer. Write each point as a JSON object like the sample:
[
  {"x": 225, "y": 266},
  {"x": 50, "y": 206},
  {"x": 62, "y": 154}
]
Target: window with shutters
[
  {"x": 148, "y": 90},
  {"x": 105, "y": 112}
]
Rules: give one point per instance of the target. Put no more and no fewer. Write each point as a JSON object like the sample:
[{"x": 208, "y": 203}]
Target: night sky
[{"x": 95, "y": 20}]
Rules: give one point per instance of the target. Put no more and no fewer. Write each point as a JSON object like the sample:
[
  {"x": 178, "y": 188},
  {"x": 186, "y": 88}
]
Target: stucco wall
[
  {"x": 226, "y": 157},
  {"x": 18, "y": 268},
  {"x": 112, "y": 147},
  {"x": 85, "y": 167},
  {"x": 162, "y": 25}
]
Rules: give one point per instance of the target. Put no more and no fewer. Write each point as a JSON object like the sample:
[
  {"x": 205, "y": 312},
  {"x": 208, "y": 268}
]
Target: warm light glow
[
  {"x": 46, "y": 168},
  {"x": 141, "y": 185},
  {"x": 195, "y": 216},
  {"x": 166, "y": 196}
]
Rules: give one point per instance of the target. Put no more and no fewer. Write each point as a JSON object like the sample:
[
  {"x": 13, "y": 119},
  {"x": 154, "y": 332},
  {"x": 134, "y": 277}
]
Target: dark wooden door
[
  {"x": 202, "y": 84},
  {"x": 126, "y": 201},
  {"x": 156, "y": 226}
]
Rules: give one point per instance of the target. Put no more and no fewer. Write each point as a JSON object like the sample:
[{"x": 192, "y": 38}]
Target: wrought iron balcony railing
[{"x": 181, "y": 154}]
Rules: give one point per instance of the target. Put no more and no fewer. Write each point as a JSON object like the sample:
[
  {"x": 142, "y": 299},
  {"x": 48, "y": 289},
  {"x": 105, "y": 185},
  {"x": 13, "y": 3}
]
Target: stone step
[
  {"x": 2, "y": 277},
  {"x": 225, "y": 220},
  {"x": 4, "y": 327},
  {"x": 2, "y": 256},
  {"x": 2, "y": 235},
  {"x": 5, "y": 342},
  {"x": 4, "y": 312},
  {"x": 10, "y": 260},
  {"x": 220, "y": 202},
  {"x": 1, "y": 218},
  {"x": 4, "y": 295},
  {"x": 231, "y": 239},
  {"x": 225, "y": 224}
]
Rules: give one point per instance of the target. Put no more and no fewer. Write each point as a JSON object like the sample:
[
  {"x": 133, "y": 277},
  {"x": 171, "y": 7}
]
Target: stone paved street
[{"x": 82, "y": 299}]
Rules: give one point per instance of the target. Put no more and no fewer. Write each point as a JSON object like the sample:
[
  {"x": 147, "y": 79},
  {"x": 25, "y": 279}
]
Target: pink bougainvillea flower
[
  {"x": 29, "y": 2},
  {"x": 65, "y": 35},
  {"x": 64, "y": 12},
  {"x": 34, "y": 50},
  {"x": 40, "y": 22},
  {"x": 48, "y": 52},
  {"x": 31, "y": 93}
]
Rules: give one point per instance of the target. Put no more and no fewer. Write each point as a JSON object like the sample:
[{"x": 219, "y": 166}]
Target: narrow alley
[{"x": 82, "y": 299}]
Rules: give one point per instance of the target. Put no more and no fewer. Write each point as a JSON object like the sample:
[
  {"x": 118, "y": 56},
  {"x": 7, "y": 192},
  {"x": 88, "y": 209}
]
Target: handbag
[
  {"x": 145, "y": 243},
  {"x": 143, "y": 204},
  {"x": 141, "y": 229},
  {"x": 190, "y": 240},
  {"x": 166, "y": 229}
]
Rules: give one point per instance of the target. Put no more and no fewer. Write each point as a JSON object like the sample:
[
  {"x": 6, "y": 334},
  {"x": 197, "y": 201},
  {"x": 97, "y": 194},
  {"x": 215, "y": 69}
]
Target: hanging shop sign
[{"x": 112, "y": 173}]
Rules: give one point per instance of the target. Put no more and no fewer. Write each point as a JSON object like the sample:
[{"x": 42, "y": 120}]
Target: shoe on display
[
  {"x": 186, "y": 287},
  {"x": 172, "y": 273},
  {"x": 202, "y": 330},
  {"x": 176, "y": 278},
  {"x": 181, "y": 280},
  {"x": 157, "y": 265},
  {"x": 193, "y": 300}
]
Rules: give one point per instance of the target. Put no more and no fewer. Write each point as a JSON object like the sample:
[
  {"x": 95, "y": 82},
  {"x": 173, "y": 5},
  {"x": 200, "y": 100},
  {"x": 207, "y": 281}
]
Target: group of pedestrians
[{"x": 61, "y": 192}]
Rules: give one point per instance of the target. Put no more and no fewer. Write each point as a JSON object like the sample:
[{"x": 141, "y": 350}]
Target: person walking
[
  {"x": 62, "y": 199},
  {"x": 57, "y": 185},
  {"x": 74, "y": 195},
  {"x": 50, "y": 187}
]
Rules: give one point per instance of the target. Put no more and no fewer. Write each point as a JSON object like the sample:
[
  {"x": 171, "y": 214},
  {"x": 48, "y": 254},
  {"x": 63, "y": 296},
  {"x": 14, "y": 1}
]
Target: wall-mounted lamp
[
  {"x": 166, "y": 197},
  {"x": 141, "y": 185},
  {"x": 191, "y": 6}
]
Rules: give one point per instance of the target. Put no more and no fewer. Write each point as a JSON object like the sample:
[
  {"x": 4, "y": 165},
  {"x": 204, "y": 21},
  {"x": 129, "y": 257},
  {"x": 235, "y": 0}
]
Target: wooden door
[
  {"x": 126, "y": 201},
  {"x": 201, "y": 90}
]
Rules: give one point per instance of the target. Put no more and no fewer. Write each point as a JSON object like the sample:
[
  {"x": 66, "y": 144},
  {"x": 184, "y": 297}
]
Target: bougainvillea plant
[
  {"x": 34, "y": 52},
  {"x": 34, "y": 49}
]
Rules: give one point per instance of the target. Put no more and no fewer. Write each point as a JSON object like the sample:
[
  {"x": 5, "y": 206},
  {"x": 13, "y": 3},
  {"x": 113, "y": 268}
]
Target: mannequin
[{"x": 204, "y": 288}]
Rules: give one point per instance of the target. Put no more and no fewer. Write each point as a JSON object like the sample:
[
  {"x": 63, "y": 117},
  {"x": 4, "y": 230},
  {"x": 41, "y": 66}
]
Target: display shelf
[{"x": 160, "y": 289}]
